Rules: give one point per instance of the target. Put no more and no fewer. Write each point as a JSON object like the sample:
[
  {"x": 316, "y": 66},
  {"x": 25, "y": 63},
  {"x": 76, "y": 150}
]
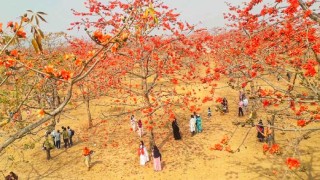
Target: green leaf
[
  {"x": 41, "y": 18},
  {"x": 42, "y": 13}
]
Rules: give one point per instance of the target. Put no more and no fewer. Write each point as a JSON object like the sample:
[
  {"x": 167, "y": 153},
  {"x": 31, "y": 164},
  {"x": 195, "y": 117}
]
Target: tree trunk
[
  {"x": 272, "y": 125},
  {"x": 87, "y": 101}
]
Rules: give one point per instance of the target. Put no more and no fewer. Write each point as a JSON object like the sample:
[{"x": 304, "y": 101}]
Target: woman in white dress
[
  {"x": 133, "y": 123},
  {"x": 143, "y": 153}
]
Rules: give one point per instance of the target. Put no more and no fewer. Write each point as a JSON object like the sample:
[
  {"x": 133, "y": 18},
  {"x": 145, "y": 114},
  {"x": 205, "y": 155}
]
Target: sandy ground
[{"x": 116, "y": 155}]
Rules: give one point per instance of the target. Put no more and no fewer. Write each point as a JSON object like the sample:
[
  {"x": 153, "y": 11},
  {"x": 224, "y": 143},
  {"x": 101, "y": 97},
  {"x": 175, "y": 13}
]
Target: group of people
[
  {"x": 66, "y": 134},
  {"x": 144, "y": 156},
  {"x": 264, "y": 133},
  {"x": 195, "y": 124}
]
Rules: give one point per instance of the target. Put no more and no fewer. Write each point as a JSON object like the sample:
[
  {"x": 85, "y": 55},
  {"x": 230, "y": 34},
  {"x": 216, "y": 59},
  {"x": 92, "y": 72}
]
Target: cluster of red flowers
[
  {"x": 292, "y": 163},
  {"x": 274, "y": 149}
]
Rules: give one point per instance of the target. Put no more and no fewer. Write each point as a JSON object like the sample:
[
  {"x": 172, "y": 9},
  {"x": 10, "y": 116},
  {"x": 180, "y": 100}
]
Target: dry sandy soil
[{"x": 191, "y": 158}]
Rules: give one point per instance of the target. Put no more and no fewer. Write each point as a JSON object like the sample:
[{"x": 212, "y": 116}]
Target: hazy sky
[{"x": 206, "y": 12}]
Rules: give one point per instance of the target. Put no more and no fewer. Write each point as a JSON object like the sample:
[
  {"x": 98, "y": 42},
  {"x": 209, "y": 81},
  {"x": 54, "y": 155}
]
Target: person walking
[
  {"x": 65, "y": 137},
  {"x": 87, "y": 157},
  {"x": 176, "y": 130},
  {"x": 143, "y": 154},
  {"x": 156, "y": 158},
  {"x": 192, "y": 125},
  {"x": 140, "y": 128},
  {"x": 47, "y": 145}
]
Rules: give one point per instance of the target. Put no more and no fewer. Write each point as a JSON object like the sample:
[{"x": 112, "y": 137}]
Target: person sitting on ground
[{"x": 224, "y": 104}]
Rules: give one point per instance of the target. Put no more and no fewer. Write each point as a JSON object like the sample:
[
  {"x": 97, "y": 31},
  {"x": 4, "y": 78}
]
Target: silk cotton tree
[
  {"x": 274, "y": 47},
  {"x": 159, "y": 55}
]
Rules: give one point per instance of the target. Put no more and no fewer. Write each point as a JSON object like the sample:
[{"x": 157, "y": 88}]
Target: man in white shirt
[{"x": 192, "y": 125}]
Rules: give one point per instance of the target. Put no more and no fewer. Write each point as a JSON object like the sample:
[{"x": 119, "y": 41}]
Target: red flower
[
  {"x": 243, "y": 85},
  {"x": 21, "y": 34},
  {"x": 174, "y": 81},
  {"x": 274, "y": 149},
  {"x": 301, "y": 123},
  {"x": 14, "y": 53},
  {"x": 224, "y": 140},
  {"x": 219, "y": 100},
  {"x": 265, "y": 148},
  {"x": 292, "y": 163},
  {"x": 218, "y": 147},
  {"x": 266, "y": 103},
  {"x": 65, "y": 74}
]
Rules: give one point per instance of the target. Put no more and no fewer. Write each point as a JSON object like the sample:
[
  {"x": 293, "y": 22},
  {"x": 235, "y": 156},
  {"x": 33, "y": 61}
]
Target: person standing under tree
[
  {"x": 140, "y": 128},
  {"x": 268, "y": 134},
  {"x": 192, "y": 125},
  {"x": 143, "y": 154},
  {"x": 176, "y": 130},
  {"x": 70, "y": 133},
  {"x": 65, "y": 137},
  {"x": 53, "y": 134},
  {"x": 57, "y": 139},
  {"x": 47, "y": 145},
  {"x": 240, "y": 109},
  {"x": 156, "y": 158},
  {"x": 209, "y": 112},
  {"x": 199, "y": 123},
  {"x": 260, "y": 130},
  {"x": 133, "y": 123}
]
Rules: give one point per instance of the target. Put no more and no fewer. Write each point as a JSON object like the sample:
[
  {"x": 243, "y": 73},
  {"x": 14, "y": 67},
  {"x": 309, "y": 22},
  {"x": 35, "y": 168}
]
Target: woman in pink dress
[{"x": 156, "y": 158}]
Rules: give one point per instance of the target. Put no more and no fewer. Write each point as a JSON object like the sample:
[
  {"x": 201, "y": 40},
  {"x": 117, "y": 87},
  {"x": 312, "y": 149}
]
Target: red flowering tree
[
  {"x": 146, "y": 71},
  {"x": 274, "y": 49}
]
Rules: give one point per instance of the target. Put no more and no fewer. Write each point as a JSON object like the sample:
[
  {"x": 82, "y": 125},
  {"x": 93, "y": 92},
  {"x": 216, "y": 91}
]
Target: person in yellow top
[
  {"x": 65, "y": 136},
  {"x": 47, "y": 145}
]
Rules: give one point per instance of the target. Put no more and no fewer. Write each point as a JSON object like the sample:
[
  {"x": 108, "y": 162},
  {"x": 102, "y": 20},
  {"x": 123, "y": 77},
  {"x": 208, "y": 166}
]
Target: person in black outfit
[
  {"x": 176, "y": 130},
  {"x": 260, "y": 130}
]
